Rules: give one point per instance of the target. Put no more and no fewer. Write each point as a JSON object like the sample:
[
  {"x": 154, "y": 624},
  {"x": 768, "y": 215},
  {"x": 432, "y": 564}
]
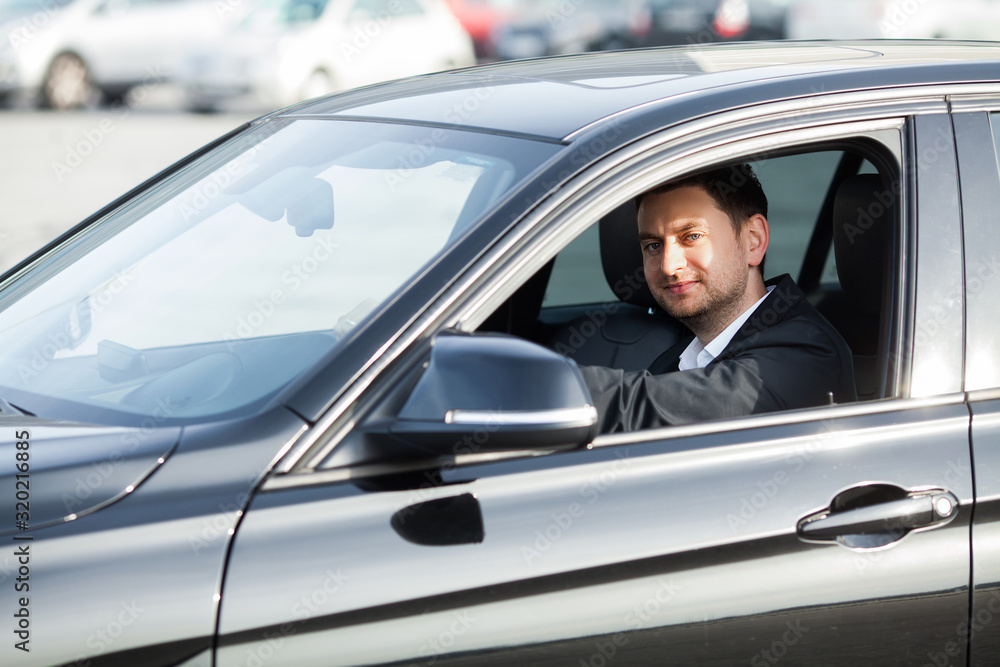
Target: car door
[
  {"x": 819, "y": 535},
  {"x": 976, "y": 131}
]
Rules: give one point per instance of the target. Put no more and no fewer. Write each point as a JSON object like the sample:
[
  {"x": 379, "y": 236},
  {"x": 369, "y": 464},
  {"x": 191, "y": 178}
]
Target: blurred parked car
[
  {"x": 856, "y": 19},
  {"x": 70, "y": 55},
  {"x": 697, "y": 21},
  {"x": 481, "y": 18},
  {"x": 284, "y": 51},
  {"x": 553, "y": 27}
]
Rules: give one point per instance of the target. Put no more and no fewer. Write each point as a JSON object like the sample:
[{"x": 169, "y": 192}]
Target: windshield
[{"x": 215, "y": 289}]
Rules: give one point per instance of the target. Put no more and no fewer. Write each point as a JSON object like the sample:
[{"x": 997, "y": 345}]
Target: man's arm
[
  {"x": 794, "y": 366},
  {"x": 638, "y": 400}
]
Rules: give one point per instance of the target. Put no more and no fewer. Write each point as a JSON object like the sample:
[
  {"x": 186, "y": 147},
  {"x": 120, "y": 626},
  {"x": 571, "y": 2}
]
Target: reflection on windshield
[{"x": 208, "y": 294}]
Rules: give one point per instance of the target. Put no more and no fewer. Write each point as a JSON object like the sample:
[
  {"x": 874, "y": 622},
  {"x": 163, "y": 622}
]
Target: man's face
[{"x": 696, "y": 267}]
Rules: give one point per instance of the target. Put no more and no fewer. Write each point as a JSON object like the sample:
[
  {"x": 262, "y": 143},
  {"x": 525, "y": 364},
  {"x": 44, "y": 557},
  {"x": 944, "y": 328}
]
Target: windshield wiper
[{"x": 10, "y": 409}]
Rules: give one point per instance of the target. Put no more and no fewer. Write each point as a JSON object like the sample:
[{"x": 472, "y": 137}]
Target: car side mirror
[{"x": 489, "y": 393}]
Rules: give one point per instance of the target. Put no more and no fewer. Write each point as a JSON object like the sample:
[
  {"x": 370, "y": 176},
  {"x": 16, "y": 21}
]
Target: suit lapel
[{"x": 667, "y": 362}]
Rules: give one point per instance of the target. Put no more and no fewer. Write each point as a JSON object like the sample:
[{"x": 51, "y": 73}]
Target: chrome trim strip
[
  {"x": 584, "y": 415},
  {"x": 805, "y": 416},
  {"x": 926, "y": 99},
  {"x": 980, "y": 395},
  {"x": 982, "y": 97}
]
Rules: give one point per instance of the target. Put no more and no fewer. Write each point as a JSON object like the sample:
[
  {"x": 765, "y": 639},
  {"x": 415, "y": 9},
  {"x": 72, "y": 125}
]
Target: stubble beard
[{"x": 715, "y": 310}]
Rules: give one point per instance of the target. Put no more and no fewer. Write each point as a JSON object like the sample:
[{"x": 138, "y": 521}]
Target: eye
[
  {"x": 694, "y": 236},
  {"x": 652, "y": 246}
]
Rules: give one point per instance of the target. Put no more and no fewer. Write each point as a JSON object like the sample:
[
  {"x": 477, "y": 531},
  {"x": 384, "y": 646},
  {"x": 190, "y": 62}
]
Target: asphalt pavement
[{"x": 60, "y": 167}]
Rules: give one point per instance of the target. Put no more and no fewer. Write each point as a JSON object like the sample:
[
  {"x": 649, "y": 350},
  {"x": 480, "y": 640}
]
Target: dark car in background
[
  {"x": 310, "y": 397},
  {"x": 696, "y": 21},
  {"x": 553, "y": 27}
]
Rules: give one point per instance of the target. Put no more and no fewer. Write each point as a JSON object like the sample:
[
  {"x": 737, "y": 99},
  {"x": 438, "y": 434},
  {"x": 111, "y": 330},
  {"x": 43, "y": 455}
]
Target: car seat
[
  {"x": 863, "y": 216},
  {"x": 632, "y": 332}
]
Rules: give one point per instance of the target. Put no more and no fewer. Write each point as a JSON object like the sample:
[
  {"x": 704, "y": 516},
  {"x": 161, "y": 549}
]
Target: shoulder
[{"x": 786, "y": 317}]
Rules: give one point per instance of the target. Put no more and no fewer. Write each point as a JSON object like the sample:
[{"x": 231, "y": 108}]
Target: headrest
[
  {"x": 862, "y": 227},
  {"x": 622, "y": 257}
]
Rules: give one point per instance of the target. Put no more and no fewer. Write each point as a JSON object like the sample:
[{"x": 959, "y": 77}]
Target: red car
[{"x": 480, "y": 19}]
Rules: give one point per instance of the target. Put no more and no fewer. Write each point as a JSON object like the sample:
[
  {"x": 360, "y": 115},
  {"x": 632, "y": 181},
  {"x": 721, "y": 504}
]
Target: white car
[
  {"x": 860, "y": 19},
  {"x": 284, "y": 51},
  {"x": 68, "y": 54}
]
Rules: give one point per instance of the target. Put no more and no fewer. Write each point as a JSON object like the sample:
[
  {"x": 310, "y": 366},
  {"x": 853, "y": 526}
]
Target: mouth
[{"x": 681, "y": 287}]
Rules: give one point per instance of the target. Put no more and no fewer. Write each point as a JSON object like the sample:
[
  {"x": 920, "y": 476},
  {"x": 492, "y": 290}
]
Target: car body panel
[
  {"x": 976, "y": 143},
  {"x": 941, "y": 348},
  {"x": 79, "y": 470},
  {"x": 569, "y": 565},
  {"x": 980, "y": 197},
  {"x": 139, "y": 579},
  {"x": 984, "y": 644}
]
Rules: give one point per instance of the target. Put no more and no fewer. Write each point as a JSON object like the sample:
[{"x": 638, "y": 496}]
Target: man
[{"x": 755, "y": 347}]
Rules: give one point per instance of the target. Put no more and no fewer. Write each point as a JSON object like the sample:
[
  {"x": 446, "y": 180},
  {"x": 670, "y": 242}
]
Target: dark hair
[{"x": 735, "y": 190}]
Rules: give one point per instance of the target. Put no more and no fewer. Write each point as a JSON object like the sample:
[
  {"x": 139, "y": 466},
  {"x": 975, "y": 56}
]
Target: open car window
[{"x": 585, "y": 304}]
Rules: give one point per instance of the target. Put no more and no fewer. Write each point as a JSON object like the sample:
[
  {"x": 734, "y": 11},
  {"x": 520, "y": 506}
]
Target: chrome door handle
[{"x": 879, "y": 523}]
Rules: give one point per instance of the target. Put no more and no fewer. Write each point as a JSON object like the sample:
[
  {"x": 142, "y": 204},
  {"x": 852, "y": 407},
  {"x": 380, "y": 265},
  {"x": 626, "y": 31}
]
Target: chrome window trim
[
  {"x": 804, "y": 416},
  {"x": 980, "y": 395},
  {"x": 317, "y": 477},
  {"x": 982, "y": 97},
  {"x": 836, "y": 115},
  {"x": 936, "y": 354},
  {"x": 979, "y": 174},
  {"x": 876, "y": 104}
]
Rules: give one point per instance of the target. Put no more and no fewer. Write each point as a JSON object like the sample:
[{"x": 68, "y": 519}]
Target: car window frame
[
  {"x": 977, "y": 137},
  {"x": 552, "y": 223}
]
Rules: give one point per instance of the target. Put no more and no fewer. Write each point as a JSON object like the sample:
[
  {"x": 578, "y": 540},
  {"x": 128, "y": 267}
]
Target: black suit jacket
[{"x": 786, "y": 355}]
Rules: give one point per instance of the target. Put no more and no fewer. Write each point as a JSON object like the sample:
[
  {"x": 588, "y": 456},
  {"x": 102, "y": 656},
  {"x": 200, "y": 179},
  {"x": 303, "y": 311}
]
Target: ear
[{"x": 756, "y": 236}]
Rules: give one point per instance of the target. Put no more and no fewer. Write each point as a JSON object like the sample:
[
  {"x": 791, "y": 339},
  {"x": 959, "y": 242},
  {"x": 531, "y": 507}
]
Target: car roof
[{"x": 554, "y": 98}]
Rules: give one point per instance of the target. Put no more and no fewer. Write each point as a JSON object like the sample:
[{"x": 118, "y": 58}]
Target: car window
[
  {"x": 217, "y": 288},
  {"x": 796, "y": 186},
  {"x": 577, "y": 276},
  {"x": 581, "y": 316}
]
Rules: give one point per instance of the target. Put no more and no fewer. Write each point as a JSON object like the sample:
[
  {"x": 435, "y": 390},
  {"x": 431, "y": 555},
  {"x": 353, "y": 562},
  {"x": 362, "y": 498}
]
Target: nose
[{"x": 673, "y": 259}]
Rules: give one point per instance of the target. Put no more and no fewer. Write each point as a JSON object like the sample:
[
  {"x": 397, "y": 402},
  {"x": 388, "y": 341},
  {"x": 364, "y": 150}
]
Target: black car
[
  {"x": 554, "y": 27},
  {"x": 312, "y": 395},
  {"x": 698, "y": 21}
]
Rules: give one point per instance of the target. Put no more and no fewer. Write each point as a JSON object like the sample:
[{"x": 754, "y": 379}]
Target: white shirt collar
[{"x": 696, "y": 355}]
